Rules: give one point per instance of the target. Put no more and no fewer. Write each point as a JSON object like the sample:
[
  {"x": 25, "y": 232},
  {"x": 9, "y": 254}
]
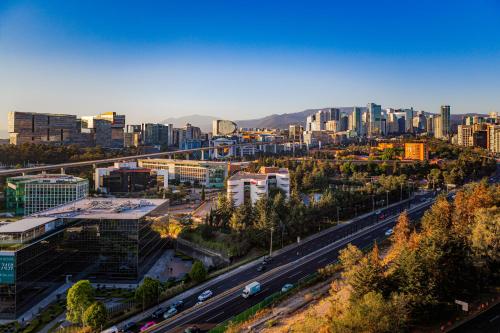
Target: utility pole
[
  {"x": 373, "y": 202},
  {"x": 401, "y": 193},
  {"x": 271, "y": 242},
  {"x": 338, "y": 216},
  {"x": 387, "y": 197}
]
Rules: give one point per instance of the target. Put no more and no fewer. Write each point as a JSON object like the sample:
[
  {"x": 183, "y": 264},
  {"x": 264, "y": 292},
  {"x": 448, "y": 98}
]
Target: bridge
[{"x": 94, "y": 163}]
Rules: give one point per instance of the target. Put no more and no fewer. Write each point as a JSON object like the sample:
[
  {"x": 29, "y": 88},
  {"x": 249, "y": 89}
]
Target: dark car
[
  {"x": 261, "y": 268},
  {"x": 178, "y": 305},
  {"x": 158, "y": 312},
  {"x": 129, "y": 326}
]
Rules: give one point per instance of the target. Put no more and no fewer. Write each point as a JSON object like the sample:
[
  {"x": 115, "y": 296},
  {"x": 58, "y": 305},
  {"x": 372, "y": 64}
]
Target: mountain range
[{"x": 275, "y": 120}]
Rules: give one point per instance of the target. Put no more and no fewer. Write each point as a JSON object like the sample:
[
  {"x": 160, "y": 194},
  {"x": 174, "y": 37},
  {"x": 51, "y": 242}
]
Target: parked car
[
  {"x": 205, "y": 295},
  {"x": 147, "y": 325},
  {"x": 286, "y": 287},
  {"x": 158, "y": 312},
  {"x": 170, "y": 313},
  {"x": 389, "y": 232}
]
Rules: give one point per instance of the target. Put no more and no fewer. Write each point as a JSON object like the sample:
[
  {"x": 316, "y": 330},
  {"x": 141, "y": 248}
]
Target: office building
[
  {"x": 247, "y": 188},
  {"x": 155, "y": 134},
  {"x": 204, "y": 173},
  {"x": 437, "y": 126},
  {"x": 46, "y": 128},
  {"x": 108, "y": 129},
  {"x": 355, "y": 123},
  {"x": 26, "y": 195},
  {"x": 104, "y": 240},
  {"x": 445, "y": 121},
  {"x": 416, "y": 151},
  {"x": 125, "y": 177},
  {"x": 373, "y": 120}
]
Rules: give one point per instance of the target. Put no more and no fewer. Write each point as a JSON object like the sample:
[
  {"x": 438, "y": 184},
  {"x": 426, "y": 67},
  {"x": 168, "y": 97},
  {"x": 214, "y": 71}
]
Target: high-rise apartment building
[
  {"x": 26, "y": 195},
  {"x": 416, "y": 151},
  {"x": 493, "y": 138},
  {"x": 295, "y": 133},
  {"x": 438, "y": 127}
]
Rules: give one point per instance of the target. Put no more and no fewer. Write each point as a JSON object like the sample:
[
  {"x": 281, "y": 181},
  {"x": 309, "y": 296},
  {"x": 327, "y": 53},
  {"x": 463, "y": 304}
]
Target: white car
[
  {"x": 205, "y": 295},
  {"x": 389, "y": 232}
]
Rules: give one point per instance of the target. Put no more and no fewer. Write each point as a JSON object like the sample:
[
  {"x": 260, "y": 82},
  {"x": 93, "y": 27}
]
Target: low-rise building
[
  {"x": 247, "y": 188},
  {"x": 416, "y": 151},
  {"x": 206, "y": 173},
  {"x": 25, "y": 195},
  {"x": 124, "y": 177}
]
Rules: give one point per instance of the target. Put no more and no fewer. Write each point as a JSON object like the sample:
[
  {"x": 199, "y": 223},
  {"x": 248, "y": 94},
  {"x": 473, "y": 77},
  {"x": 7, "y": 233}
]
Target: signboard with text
[{"x": 7, "y": 268}]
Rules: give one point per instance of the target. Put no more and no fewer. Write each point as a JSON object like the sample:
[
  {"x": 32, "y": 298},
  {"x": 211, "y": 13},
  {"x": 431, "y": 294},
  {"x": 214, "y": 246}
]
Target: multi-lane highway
[{"x": 288, "y": 266}]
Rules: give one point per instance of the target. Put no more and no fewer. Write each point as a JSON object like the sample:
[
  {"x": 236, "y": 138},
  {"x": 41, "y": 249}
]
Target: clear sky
[{"x": 244, "y": 59}]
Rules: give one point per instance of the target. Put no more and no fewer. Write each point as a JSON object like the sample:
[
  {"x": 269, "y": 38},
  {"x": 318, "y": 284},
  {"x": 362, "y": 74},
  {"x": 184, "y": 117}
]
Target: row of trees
[{"x": 455, "y": 255}]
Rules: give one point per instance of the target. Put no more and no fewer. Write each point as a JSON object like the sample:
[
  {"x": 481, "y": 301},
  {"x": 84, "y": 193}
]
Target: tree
[
  {"x": 371, "y": 313},
  {"x": 95, "y": 316},
  {"x": 198, "y": 272},
  {"x": 148, "y": 292},
  {"x": 485, "y": 238},
  {"x": 400, "y": 237},
  {"x": 80, "y": 297},
  {"x": 367, "y": 275}
]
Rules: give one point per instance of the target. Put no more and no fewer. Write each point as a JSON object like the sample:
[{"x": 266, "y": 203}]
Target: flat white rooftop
[
  {"x": 25, "y": 224},
  {"x": 104, "y": 208}
]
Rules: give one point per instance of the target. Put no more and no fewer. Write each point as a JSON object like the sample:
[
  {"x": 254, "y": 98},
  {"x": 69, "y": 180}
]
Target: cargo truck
[{"x": 251, "y": 289}]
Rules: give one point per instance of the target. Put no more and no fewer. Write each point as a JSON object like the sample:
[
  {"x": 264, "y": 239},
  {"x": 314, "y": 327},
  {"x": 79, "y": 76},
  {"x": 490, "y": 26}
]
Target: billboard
[{"x": 7, "y": 268}]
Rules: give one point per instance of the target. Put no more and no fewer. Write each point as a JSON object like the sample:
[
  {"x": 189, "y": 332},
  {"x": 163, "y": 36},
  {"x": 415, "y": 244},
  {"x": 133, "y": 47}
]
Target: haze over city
[{"x": 244, "y": 60}]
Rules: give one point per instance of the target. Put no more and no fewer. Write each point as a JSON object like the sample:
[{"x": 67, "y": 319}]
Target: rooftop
[
  {"x": 25, "y": 224},
  {"x": 105, "y": 208},
  {"x": 248, "y": 175},
  {"x": 49, "y": 178}
]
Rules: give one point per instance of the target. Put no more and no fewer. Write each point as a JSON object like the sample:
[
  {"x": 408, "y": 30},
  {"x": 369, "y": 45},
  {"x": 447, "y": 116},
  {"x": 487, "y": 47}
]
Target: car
[
  {"x": 147, "y": 325},
  {"x": 267, "y": 259},
  {"x": 389, "y": 232},
  {"x": 170, "y": 313},
  {"x": 129, "y": 326},
  {"x": 205, "y": 295},
  {"x": 198, "y": 303},
  {"x": 286, "y": 287},
  {"x": 378, "y": 212},
  {"x": 178, "y": 305},
  {"x": 158, "y": 312},
  {"x": 261, "y": 268},
  {"x": 192, "y": 329}
]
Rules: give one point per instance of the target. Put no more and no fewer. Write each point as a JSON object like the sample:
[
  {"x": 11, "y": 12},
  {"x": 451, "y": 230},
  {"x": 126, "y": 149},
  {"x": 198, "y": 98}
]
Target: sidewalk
[{"x": 31, "y": 313}]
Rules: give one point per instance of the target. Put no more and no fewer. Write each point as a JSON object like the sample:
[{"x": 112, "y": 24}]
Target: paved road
[
  {"x": 486, "y": 322},
  {"x": 286, "y": 267}
]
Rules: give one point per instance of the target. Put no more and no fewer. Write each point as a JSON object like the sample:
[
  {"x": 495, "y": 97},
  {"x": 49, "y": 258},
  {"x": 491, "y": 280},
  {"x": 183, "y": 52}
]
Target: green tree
[
  {"x": 148, "y": 292},
  {"x": 95, "y": 316},
  {"x": 485, "y": 238},
  {"x": 80, "y": 297},
  {"x": 198, "y": 272}
]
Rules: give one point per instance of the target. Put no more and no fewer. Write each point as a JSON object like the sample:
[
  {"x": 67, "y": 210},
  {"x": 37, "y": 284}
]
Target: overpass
[{"x": 94, "y": 163}]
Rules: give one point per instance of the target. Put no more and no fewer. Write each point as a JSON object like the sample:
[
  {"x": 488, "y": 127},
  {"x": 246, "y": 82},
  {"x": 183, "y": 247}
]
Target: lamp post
[{"x": 271, "y": 242}]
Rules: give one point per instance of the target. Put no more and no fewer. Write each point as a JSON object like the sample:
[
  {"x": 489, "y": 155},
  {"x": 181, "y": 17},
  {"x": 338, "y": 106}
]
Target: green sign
[{"x": 7, "y": 269}]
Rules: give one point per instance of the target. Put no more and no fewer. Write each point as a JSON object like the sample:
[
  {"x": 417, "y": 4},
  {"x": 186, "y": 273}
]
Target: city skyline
[{"x": 242, "y": 62}]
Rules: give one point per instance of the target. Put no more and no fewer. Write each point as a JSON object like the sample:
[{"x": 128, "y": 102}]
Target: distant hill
[{"x": 203, "y": 122}]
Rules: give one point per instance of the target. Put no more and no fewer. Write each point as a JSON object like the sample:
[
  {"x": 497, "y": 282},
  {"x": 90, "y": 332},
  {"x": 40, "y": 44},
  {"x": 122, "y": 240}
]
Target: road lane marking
[
  {"x": 299, "y": 272},
  {"x": 322, "y": 260},
  {"x": 209, "y": 319}
]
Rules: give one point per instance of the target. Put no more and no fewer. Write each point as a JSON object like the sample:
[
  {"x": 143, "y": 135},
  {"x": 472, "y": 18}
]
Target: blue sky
[{"x": 243, "y": 59}]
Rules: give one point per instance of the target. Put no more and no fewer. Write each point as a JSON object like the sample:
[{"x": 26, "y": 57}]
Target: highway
[{"x": 288, "y": 266}]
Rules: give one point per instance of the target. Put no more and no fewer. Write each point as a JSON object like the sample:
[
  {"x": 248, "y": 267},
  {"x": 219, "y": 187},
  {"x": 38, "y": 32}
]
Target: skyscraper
[
  {"x": 356, "y": 123},
  {"x": 373, "y": 119},
  {"x": 445, "y": 121}
]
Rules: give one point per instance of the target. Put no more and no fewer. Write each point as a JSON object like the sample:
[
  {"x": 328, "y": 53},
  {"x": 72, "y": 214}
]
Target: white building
[{"x": 246, "y": 187}]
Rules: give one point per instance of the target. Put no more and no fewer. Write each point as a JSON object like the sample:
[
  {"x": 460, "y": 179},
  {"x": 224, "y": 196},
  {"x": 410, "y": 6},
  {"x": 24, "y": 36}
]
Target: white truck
[{"x": 251, "y": 289}]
